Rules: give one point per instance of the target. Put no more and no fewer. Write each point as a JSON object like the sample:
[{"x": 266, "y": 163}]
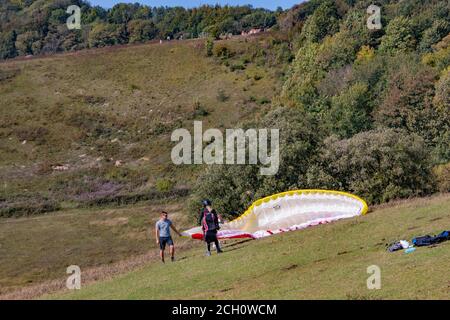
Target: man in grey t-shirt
[{"x": 163, "y": 237}]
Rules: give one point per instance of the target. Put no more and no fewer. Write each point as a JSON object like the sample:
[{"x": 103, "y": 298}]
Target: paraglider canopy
[{"x": 289, "y": 211}]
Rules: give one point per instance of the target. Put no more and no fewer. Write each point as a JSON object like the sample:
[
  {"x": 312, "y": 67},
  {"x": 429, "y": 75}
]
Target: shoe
[
  {"x": 208, "y": 253},
  {"x": 219, "y": 251},
  {"x": 172, "y": 259}
]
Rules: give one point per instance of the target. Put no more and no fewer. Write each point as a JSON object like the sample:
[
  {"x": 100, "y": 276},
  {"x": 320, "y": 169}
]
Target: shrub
[
  {"x": 28, "y": 207},
  {"x": 366, "y": 54},
  {"x": 164, "y": 185},
  {"x": 442, "y": 175},
  {"x": 379, "y": 165},
  {"x": 222, "y": 51}
]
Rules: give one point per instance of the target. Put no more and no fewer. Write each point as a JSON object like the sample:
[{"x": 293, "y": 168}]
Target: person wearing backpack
[{"x": 209, "y": 220}]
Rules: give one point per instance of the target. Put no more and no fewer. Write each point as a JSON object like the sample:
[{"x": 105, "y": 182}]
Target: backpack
[
  {"x": 210, "y": 221},
  {"x": 429, "y": 240}
]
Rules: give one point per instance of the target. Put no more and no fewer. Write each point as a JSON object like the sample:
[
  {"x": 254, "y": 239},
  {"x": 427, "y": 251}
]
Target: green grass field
[
  {"x": 324, "y": 262},
  {"x": 39, "y": 249}
]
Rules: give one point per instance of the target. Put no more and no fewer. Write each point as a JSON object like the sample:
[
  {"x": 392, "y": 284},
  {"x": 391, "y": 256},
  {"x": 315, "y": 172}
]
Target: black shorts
[
  {"x": 165, "y": 240},
  {"x": 211, "y": 236}
]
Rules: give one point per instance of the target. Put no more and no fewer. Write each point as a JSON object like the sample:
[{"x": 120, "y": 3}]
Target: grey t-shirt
[{"x": 164, "y": 227}]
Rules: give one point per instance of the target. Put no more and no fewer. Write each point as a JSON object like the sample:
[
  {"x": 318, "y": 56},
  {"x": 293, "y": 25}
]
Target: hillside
[
  {"x": 94, "y": 127},
  {"x": 324, "y": 262},
  {"x": 85, "y": 144}
]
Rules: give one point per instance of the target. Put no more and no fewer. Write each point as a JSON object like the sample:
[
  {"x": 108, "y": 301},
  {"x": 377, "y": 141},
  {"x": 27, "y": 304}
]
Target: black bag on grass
[{"x": 429, "y": 240}]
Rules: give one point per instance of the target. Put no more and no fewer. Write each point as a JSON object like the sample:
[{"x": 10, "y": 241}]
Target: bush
[
  {"x": 28, "y": 207},
  {"x": 379, "y": 165},
  {"x": 442, "y": 176},
  {"x": 222, "y": 51},
  {"x": 164, "y": 185},
  {"x": 440, "y": 59},
  {"x": 24, "y": 42}
]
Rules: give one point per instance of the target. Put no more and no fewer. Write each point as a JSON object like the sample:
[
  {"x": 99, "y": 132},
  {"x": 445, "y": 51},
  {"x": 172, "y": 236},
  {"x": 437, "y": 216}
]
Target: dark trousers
[{"x": 210, "y": 237}]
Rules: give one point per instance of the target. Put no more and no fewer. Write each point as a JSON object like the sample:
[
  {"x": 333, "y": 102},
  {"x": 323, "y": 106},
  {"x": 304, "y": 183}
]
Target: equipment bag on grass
[{"x": 429, "y": 240}]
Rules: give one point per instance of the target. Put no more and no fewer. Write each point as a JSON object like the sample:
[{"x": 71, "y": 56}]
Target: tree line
[{"x": 31, "y": 27}]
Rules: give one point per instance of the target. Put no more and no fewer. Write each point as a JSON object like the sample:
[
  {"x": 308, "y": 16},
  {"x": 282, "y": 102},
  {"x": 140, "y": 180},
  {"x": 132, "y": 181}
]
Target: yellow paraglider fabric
[{"x": 288, "y": 211}]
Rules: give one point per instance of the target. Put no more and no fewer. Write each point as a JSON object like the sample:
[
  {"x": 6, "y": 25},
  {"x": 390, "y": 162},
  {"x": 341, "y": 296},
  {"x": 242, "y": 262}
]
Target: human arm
[
  {"x": 175, "y": 229},
  {"x": 157, "y": 234}
]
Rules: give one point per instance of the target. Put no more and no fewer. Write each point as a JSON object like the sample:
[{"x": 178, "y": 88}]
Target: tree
[
  {"x": 399, "y": 37},
  {"x": 7, "y": 45},
  {"x": 408, "y": 99},
  {"x": 105, "y": 34},
  {"x": 323, "y": 22},
  {"x": 57, "y": 17},
  {"x": 122, "y": 13},
  {"x": 141, "y": 30},
  {"x": 441, "y": 103},
  {"x": 24, "y": 42},
  {"x": 350, "y": 112},
  {"x": 434, "y": 34}
]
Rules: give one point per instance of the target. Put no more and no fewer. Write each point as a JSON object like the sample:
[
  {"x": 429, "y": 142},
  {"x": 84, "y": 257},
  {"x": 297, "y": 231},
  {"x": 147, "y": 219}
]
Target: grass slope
[
  {"x": 324, "y": 262},
  {"x": 106, "y": 116},
  {"x": 39, "y": 249}
]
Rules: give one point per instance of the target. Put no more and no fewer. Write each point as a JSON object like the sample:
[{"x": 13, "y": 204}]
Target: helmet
[{"x": 206, "y": 202}]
